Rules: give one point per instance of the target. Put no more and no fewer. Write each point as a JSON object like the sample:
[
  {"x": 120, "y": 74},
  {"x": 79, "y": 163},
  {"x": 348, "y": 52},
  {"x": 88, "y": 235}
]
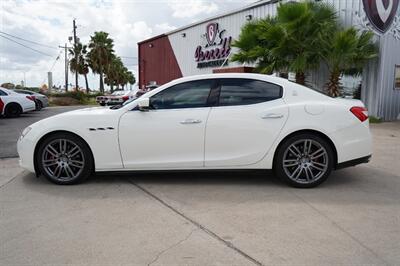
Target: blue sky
[{"x": 127, "y": 21}]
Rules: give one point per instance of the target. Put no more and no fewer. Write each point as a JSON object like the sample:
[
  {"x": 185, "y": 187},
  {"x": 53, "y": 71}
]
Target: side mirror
[{"x": 143, "y": 104}]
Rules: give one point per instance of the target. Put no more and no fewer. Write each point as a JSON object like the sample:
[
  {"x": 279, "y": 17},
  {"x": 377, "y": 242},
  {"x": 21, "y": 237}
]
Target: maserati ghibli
[{"x": 206, "y": 122}]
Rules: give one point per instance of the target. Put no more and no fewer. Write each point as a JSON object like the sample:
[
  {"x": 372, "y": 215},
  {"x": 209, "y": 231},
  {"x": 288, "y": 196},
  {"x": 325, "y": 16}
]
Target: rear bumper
[
  {"x": 45, "y": 102},
  {"x": 354, "y": 162},
  {"x": 352, "y": 143},
  {"x": 29, "y": 109}
]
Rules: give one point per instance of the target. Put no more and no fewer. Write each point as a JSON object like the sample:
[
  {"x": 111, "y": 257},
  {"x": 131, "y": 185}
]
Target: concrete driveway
[{"x": 206, "y": 219}]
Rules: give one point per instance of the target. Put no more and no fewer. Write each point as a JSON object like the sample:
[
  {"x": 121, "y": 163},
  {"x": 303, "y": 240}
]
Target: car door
[
  {"x": 171, "y": 134},
  {"x": 246, "y": 121}
]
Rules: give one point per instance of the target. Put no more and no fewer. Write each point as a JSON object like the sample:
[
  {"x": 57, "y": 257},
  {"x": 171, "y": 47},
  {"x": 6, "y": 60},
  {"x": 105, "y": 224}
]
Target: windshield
[{"x": 116, "y": 93}]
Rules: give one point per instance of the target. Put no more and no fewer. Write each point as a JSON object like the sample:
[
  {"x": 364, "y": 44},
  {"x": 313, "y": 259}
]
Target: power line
[
  {"x": 22, "y": 39},
  {"x": 131, "y": 57},
  {"x": 40, "y": 52}
]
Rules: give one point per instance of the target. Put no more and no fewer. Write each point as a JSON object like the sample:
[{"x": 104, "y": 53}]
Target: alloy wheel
[
  {"x": 62, "y": 159},
  {"x": 305, "y": 161}
]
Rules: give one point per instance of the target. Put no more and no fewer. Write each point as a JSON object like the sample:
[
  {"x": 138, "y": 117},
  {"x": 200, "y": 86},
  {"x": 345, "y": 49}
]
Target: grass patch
[{"x": 375, "y": 120}]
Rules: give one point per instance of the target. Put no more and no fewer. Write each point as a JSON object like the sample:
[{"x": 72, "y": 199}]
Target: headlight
[{"x": 25, "y": 131}]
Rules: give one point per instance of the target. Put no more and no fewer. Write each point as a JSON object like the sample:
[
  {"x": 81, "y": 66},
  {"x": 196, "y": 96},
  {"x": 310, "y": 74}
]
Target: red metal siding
[{"x": 157, "y": 61}]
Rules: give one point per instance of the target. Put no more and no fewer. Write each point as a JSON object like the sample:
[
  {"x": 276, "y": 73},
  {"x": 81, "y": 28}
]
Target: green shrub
[{"x": 80, "y": 96}]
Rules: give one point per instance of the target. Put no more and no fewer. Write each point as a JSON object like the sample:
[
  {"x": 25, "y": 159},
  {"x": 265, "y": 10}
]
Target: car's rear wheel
[
  {"x": 304, "y": 161},
  {"x": 38, "y": 105},
  {"x": 65, "y": 159},
  {"x": 13, "y": 110}
]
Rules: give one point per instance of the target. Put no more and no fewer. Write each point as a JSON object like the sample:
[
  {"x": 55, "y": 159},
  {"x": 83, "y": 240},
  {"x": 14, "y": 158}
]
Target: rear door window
[{"x": 247, "y": 91}]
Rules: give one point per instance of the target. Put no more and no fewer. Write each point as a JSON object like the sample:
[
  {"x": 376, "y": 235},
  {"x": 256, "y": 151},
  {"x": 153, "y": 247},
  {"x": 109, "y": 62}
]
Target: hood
[
  {"x": 98, "y": 110},
  {"x": 92, "y": 116}
]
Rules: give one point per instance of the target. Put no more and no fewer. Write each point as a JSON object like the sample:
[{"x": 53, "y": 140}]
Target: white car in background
[
  {"x": 41, "y": 100},
  {"x": 15, "y": 104},
  {"x": 116, "y": 98},
  {"x": 208, "y": 122}
]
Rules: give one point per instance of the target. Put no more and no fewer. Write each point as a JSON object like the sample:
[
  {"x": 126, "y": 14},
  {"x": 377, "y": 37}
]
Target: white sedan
[
  {"x": 14, "y": 104},
  {"x": 216, "y": 121},
  {"x": 116, "y": 98}
]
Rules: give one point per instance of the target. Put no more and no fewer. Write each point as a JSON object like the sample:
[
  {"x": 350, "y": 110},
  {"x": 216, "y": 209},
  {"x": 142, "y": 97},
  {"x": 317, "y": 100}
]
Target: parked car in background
[
  {"x": 116, "y": 98},
  {"x": 208, "y": 122},
  {"x": 15, "y": 104},
  {"x": 41, "y": 100},
  {"x": 1, "y": 106}
]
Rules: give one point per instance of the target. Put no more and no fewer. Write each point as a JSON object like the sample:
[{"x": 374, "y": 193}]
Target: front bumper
[{"x": 26, "y": 148}]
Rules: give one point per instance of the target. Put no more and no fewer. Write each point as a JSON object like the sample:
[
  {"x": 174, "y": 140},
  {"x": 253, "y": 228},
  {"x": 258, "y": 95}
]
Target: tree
[
  {"x": 346, "y": 52},
  {"x": 79, "y": 52},
  {"x": 256, "y": 43},
  {"x": 130, "y": 78},
  {"x": 117, "y": 74},
  {"x": 304, "y": 25},
  {"x": 8, "y": 85},
  {"x": 290, "y": 42},
  {"x": 100, "y": 54}
]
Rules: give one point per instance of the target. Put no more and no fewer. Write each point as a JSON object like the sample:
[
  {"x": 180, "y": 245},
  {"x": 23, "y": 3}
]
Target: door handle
[
  {"x": 272, "y": 116},
  {"x": 190, "y": 121}
]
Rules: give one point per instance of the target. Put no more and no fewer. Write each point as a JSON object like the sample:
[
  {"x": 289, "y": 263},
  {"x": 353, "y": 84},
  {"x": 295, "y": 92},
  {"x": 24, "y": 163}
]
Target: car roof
[
  {"x": 7, "y": 90},
  {"x": 267, "y": 78},
  {"x": 264, "y": 77}
]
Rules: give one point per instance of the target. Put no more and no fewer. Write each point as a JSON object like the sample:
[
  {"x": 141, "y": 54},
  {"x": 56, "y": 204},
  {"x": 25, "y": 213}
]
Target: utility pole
[
  {"x": 66, "y": 65},
  {"x": 76, "y": 55}
]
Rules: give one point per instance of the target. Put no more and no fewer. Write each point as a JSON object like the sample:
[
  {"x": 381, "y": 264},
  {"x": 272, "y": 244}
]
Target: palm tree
[
  {"x": 111, "y": 72},
  {"x": 304, "y": 25},
  {"x": 290, "y": 42},
  {"x": 79, "y": 63},
  {"x": 130, "y": 78},
  {"x": 100, "y": 54},
  {"x": 346, "y": 52},
  {"x": 256, "y": 42}
]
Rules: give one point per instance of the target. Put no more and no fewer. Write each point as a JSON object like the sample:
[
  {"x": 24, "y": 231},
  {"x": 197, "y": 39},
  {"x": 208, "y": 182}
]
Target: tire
[
  {"x": 64, "y": 159},
  {"x": 13, "y": 110},
  {"x": 102, "y": 104},
  {"x": 38, "y": 105},
  {"x": 304, "y": 168}
]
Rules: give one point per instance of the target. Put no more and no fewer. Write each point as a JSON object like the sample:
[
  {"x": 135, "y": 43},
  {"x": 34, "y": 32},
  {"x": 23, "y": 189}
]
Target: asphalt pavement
[
  {"x": 11, "y": 128},
  {"x": 228, "y": 218}
]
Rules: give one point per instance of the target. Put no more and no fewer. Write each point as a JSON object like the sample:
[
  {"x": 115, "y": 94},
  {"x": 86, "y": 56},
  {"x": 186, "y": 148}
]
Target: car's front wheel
[
  {"x": 304, "y": 160},
  {"x": 65, "y": 159}
]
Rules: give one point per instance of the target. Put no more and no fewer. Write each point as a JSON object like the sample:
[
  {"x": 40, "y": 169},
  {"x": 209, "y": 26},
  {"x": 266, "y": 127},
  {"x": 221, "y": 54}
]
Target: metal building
[{"x": 205, "y": 47}]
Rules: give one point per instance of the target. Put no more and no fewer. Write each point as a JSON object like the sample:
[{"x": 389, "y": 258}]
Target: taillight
[
  {"x": 124, "y": 98},
  {"x": 32, "y": 98},
  {"x": 360, "y": 112}
]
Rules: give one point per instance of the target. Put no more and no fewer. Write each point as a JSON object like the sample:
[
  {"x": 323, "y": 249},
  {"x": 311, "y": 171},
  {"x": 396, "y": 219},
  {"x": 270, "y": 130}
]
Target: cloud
[
  {"x": 192, "y": 8},
  {"x": 50, "y": 23},
  {"x": 164, "y": 27}
]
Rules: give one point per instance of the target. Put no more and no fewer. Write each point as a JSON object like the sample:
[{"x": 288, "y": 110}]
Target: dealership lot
[{"x": 240, "y": 218}]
